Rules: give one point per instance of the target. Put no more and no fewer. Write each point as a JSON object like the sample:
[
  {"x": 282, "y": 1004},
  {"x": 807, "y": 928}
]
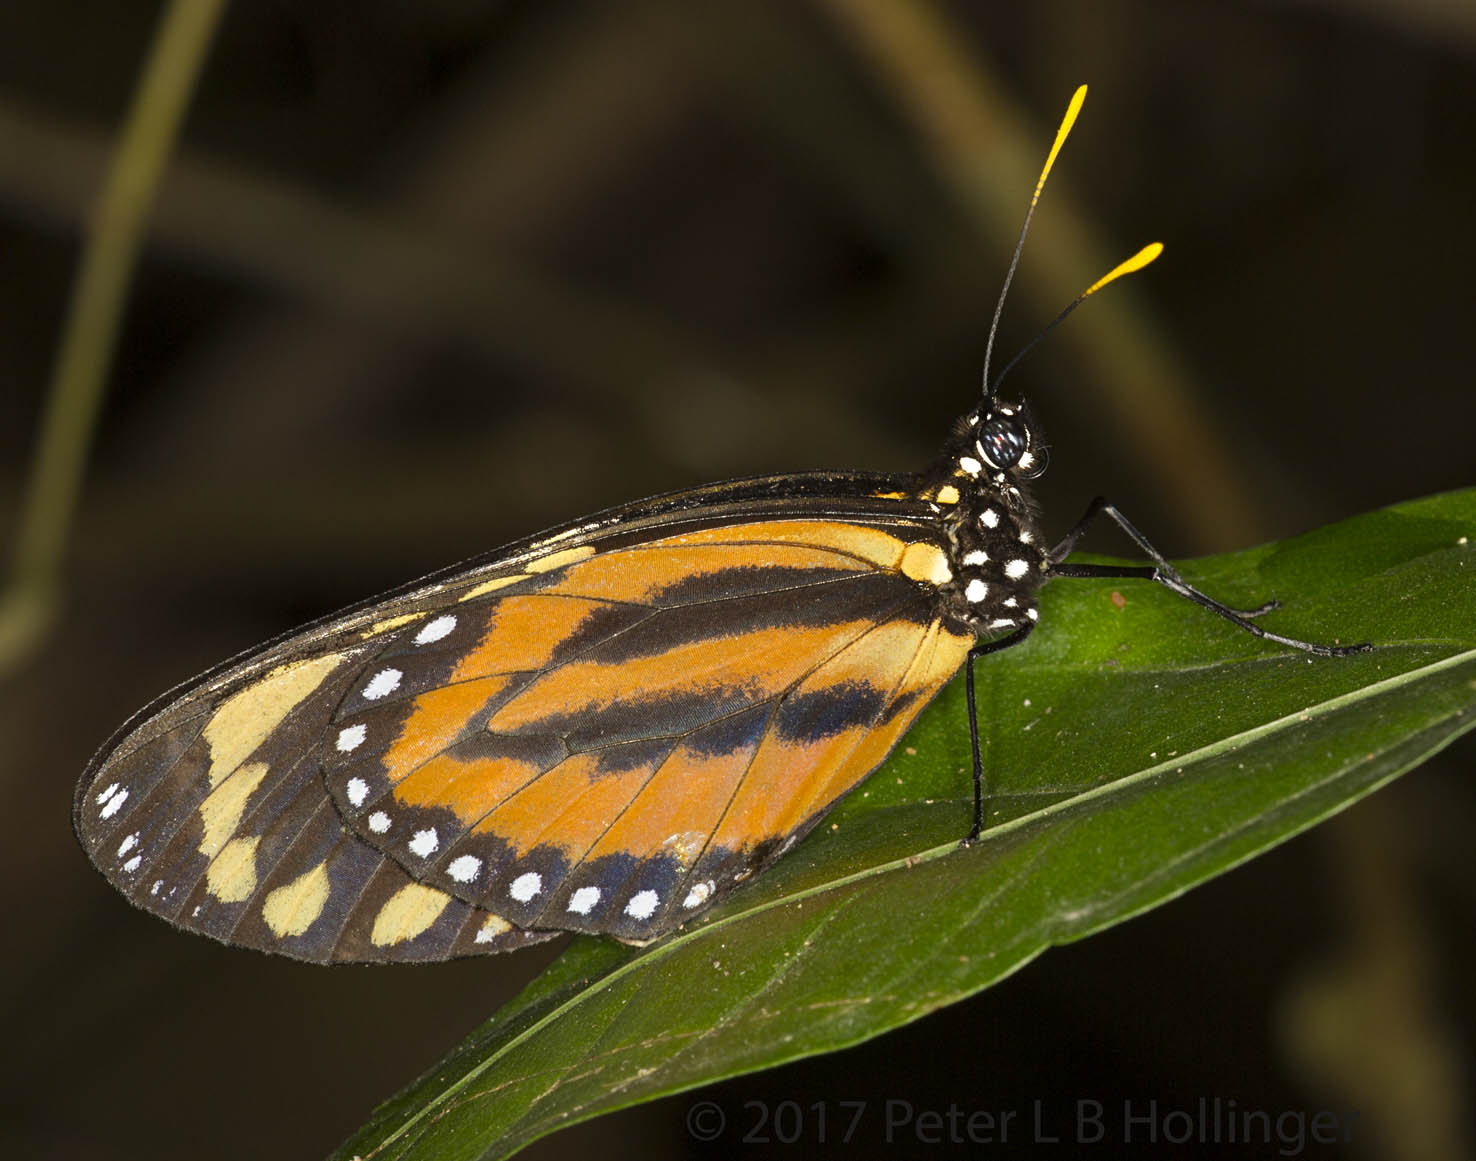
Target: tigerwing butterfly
[{"x": 602, "y": 729}]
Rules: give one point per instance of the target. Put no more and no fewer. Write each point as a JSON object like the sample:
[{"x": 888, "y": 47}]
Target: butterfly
[{"x": 606, "y": 728}]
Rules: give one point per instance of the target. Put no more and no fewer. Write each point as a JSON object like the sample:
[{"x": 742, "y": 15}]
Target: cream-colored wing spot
[
  {"x": 293, "y": 908},
  {"x": 386, "y": 625},
  {"x": 232, "y": 874},
  {"x": 406, "y": 913},
  {"x": 492, "y": 927},
  {"x": 223, "y": 808},
  {"x": 243, "y": 720},
  {"x": 558, "y": 559},
  {"x": 925, "y": 562},
  {"x": 492, "y": 586}
]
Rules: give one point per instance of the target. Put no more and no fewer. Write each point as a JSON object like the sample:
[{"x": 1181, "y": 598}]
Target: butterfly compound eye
[{"x": 1002, "y": 441}]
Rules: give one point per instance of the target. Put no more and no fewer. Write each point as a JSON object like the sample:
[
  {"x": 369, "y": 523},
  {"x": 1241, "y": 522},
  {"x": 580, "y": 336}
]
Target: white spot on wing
[
  {"x": 128, "y": 844},
  {"x": 424, "y": 842},
  {"x": 1001, "y": 623},
  {"x": 382, "y": 684},
  {"x": 351, "y": 738},
  {"x": 435, "y": 630},
  {"x": 1016, "y": 569},
  {"x": 698, "y": 895},
  {"x": 379, "y": 822},
  {"x": 975, "y": 591},
  {"x": 133, "y": 864},
  {"x": 114, "y": 804},
  {"x": 583, "y": 900},
  {"x": 358, "y": 791},
  {"x": 642, "y": 904},
  {"x": 112, "y": 789},
  {"x": 1033, "y": 614},
  {"x": 154, "y": 890},
  {"x": 525, "y": 886},
  {"x": 989, "y": 518},
  {"x": 464, "y": 868}
]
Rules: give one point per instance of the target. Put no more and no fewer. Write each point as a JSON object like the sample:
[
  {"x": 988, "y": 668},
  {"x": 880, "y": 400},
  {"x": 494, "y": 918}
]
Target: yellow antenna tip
[{"x": 1139, "y": 260}]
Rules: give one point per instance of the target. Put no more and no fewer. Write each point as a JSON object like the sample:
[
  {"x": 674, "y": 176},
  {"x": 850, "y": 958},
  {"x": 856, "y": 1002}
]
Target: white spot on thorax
[
  {"x": 358, "y": 791},
  {"x": 351, "y": 738},
  {"x": 435, "y": 630},
  {"x": 1011, "y": 603},
  {"x": 1016, "y": 569},
  {"x": 989, "y": 518},
  {"x": 583, "y": 900},
  {"x": 464, "y": 868},
  {"x": 975, "y": 591},
  {"x": 382, "y": 684},
  {"x": 1025, "y": 536},
  {"x": 642, "y": 904},
  {"x": 977, "y": 556},
  {"x": 424, "y": 842},
  {"x": 525, "y": 886},
  {"x": 1001, "y": 623},
  {"x": 379, "y": 822},
  {"x": 970, "y": 465}
]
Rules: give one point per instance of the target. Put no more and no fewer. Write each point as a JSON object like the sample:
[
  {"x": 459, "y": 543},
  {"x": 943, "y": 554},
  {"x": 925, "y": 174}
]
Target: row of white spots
[
  {"x": 642, "y": 904},
  {"x": 382, "y": 684},
  {"x": 111, "y": 800}
]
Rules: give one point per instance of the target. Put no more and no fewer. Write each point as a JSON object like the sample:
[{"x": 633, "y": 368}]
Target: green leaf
[{"x": 1135, "y": 747}]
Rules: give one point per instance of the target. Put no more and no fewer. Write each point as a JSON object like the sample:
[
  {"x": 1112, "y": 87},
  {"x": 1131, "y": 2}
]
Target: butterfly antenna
[
  {"x": 1061, "y": 134},
  {"x": 1139, "y": 260}
]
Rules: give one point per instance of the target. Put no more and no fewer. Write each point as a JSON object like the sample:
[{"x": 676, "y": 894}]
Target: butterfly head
[{"x": 998, "y": 444}]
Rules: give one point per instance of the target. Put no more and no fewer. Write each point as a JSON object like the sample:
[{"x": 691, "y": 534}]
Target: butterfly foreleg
[{"x": 1162, "y": 572}]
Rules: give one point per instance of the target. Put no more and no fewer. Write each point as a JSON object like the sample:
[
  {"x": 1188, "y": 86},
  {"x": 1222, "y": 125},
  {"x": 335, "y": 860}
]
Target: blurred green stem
[{"x": 115, "y": 234}]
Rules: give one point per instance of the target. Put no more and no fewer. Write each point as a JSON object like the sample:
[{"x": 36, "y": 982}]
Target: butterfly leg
[
  {"x": 982, "y": 650},
  {"x": 1162, "y": 572}
]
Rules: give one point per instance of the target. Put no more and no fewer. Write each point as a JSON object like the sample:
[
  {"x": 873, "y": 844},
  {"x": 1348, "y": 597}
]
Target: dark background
[{"x": 427, "y": 277}]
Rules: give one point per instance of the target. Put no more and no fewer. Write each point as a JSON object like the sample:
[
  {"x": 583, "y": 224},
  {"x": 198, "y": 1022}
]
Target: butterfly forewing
[{"x": 603, "y": 730}]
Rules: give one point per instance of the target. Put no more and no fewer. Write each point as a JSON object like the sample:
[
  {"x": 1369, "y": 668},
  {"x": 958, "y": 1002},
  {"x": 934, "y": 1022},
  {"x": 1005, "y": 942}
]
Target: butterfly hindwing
[{"x": 603, "y": 731}]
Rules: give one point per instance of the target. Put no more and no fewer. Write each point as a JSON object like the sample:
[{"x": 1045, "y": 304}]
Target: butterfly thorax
[{"x": 995, "y": 553}]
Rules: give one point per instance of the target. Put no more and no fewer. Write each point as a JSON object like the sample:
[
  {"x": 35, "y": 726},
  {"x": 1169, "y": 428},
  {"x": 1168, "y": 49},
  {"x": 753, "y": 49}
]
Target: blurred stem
[{"x": 115, "y": 234}]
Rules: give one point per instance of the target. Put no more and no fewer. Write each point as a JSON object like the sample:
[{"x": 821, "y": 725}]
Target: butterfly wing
[{"x": 600, "y": 730}]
